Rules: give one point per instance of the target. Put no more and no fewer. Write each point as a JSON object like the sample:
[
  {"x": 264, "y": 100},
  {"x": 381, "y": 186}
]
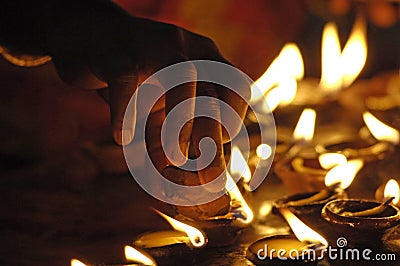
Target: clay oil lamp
[
  {"x": 304, "y": 247},
  {"x": 133, "y": 256},
  {"x": 383, "y": 143},
  {"x": 363, "y": 222},
  {"x": 308, "y": 206}
]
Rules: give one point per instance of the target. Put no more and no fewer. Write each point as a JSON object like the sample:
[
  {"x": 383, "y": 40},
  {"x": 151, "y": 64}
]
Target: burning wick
[
  {"x": 322, "y": 195},
  {"x": 370, "y": 212},
  {"x": 303, "y": 133},
  {"x": 337, "y": 180}
]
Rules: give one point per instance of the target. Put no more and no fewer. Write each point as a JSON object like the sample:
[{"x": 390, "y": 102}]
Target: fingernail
[
  {"x": 123, "y": 137},
  {"x": 213, "y": 179}
]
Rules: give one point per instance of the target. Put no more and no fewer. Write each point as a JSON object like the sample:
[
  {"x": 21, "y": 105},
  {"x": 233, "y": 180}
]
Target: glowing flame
[
  {"x": 380, "y": 130},
  {"x": 329, "y": 160},
  {"x": 343, "y": 173},
  {"x": 239, "y": 165},
  {"x": 354, "y": 54},
  {"x": 195, "y": 235},
  {"x": 235, "y": 194},
  {"x": 331, "y": 73},
  {"x": 282, "y": 95},
  {"x": 264, "y": 151},
  {"x": 301, "y": 230},
  {"x": 135, "y": 255},
  {"x": 340, "y": 69},
  {"x": 392, "y": 190},
  {"x": 75, "y": 262},
  {"x": 304, "y": 131},
  {"x": 288, "y": 64}
]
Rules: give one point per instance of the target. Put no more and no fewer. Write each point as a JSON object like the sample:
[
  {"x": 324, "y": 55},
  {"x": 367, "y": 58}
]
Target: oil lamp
[
  {"x": 304, "y": 247},
  {"x": 370, "y": 150},
  {"x": 179, "y": 244},
  {"x": 135, "y": 257},
  {"x": 308, "y": 206},
  {"x": 223, "y": 230},
  {"x": 388, "y": 190}
]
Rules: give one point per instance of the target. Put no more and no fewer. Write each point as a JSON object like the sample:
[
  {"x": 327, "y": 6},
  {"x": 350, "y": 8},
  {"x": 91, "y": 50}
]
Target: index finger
[{"x": 207, "y": 138}]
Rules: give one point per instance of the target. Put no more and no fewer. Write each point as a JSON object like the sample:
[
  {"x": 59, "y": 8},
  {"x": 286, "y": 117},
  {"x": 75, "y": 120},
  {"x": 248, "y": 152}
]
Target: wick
[{"x": 370, "y": 212}]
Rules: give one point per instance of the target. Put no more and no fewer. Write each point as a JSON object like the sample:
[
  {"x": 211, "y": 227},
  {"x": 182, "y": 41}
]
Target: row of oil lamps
[{"x": 325, "y": 208}]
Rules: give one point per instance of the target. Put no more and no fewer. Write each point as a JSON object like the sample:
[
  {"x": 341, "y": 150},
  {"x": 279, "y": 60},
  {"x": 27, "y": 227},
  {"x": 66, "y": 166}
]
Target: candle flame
[
  {"x": 283, "y": 95},
  {"x": 340, "y": 69},
  {"x": 135, "y": 255},
  {"x": 343, "y": 173},
  {"x": 380, "y": 130},
  {"x": 329, "y": 160},
  {"x": 239, "y": 166},
  {"x": 330, "y": 71},
  {"x": 197, "y": 238},
  {"x": 264, "y": 151},
  {"x": 304, "y": 131},
  {"x": 301, "y": 230},
  {"x": 288, "y": 64},
  {"x": 236, "y": 195},
  {"x": 76, "y": 262},
  {"x": 392, "y": 190},
  {"x": 354, "y": 54}
]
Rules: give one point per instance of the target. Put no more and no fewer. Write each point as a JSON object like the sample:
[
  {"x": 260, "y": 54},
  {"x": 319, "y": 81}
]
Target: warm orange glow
[
  {"x": 392, "y": 190},
  {"x": 343, "y": 173},
  {"x": 264, "y": 151},
  {"x": 239, "y": 166},
  {"x": 380, "y": 130},
  {"x": 236, "y": 195},
  {"x": 354, "y": 54},
  {"x": 340, "y": 69},
  {"x": 75, "y": 262},
  {"x": 331, "y": 73},
  {"x": 329, "y": 160},
  {"x": 288, "y": 64},
  {"x": 304, "y": 131},
  {"x": 283, "y": 95},
  {"x": 301, "y": 230},
  {"x": 132, "y": 254},
  {"x": 197, "y": 238}
]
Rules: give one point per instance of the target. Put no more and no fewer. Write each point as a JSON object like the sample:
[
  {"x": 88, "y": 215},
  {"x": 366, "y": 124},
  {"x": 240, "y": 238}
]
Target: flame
[
  {"x": 392, "y": 190},
  {"x": 235, "y": 194},
  {"x": 239, "y": 165},
  {"x": 304, "y": 131},
  {"x": 196, "y": 237},
  {"x": 135, "y": 255},
  {"x": 76, "y": 262},
  {"x": 340, "y": 69},
  {"x": 329, "y": 160},
  {"x": 264, "y": 151},
  {"x": 282, "y": 95},
  {"x": 354, "y": 54},
  {"x": 301, "y": 230},
  {"x": 289, "y": 63},
  {"x": 380, "y": 130},
  {"x": 331, "y": 73},
  {"x": 343, "y": 173}
]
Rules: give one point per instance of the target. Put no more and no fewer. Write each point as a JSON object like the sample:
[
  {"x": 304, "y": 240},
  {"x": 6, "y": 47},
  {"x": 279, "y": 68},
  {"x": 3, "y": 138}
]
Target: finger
[
  {"x": 207, "y": 138},
  {"x": 236, "y": 97},
  {"x": 153, "y": 139},
  {"x": 121, "y": 91},
  {"x": 180, "y": 106}
]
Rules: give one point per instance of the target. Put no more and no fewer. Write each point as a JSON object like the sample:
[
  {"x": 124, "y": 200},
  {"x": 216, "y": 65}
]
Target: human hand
[{"x": 121, "y": 54}]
